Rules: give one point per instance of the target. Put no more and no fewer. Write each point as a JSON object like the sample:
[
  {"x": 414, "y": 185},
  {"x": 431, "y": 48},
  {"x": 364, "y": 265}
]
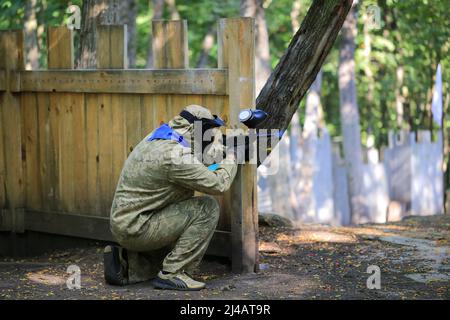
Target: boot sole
[{"x": 159, "y": 283}]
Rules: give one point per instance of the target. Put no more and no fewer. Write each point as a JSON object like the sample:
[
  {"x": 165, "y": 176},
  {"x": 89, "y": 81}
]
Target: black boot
[{"x": 115, "y": 265}]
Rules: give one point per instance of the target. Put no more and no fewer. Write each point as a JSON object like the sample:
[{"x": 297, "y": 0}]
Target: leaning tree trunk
[
  {"x": 351, "y": 130},
  {"x": 254, "y": 9},
  {"x": 93, "y": 13},
  {"x": 301, "y": 62},
  {"x": 31, "y": 39}
]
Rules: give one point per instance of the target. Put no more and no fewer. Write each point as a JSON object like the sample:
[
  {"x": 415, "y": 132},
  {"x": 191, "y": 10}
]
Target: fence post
[
  {"x": 11, "y": 60},
  {"x": 236, "y": 39}
]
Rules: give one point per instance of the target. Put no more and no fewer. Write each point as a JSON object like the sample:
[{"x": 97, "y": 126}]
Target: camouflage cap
[{"x": 199, "y": 111}]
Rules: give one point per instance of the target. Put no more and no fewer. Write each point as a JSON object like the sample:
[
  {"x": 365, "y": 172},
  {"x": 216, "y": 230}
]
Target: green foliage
[{"x": 414, "y": 34}]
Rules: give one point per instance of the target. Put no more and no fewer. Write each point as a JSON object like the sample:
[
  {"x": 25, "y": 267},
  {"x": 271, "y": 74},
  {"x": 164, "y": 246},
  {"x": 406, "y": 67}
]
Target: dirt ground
[{"x": 308, "y": 262}]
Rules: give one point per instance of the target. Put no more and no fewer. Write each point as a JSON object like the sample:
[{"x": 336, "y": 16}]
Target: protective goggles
[{"x": 208, "y": 123}]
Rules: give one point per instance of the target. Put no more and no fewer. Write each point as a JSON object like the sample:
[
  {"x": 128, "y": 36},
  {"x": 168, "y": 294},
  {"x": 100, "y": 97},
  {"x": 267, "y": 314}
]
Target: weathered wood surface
[
  {"x": 170, "y": 81},
  {"x": 73, "y": 130},
  {"x": 87, "y": 226},
  {"x": 236, "y": 49},
  {"x": 170, "y": 45},
  {"x": 11, "y": 169}
]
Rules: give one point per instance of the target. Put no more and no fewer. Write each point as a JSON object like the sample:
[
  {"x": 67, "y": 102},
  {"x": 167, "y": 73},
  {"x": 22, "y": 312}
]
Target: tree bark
[
  {"x": 301, "y": 62},
  {"x": 254, "y": 9},
  {"x": 31, "y": 39},
  {"x": 158, "y": 9},
  {"x": 351, "y": 130},
  {"x": 93, "y": 13}
]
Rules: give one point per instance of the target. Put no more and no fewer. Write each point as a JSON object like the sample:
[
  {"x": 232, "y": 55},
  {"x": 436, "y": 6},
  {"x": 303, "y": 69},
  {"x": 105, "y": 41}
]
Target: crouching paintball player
[{"x": 162, "y": 229}]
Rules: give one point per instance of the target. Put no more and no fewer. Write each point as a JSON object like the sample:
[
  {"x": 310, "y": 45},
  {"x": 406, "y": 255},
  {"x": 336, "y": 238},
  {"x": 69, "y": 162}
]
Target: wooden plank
[
  {"x": 112, "y": 47},
  {"x": 170, "y": 44},
  {"x": 61, "y": 56},
  {"x": 75, "y": 225},
  {"x": 194, "y": 99},
  {"x": 53, "y": 151},
  {"x": 2, "y": 165},
  {"x": 175, "y": 81},
  {"x": 46, "y": 160},
  {"x": 3, "y": 80},
  {"x": 11, "y": 59},
  {"x": 67, "y": 147},
  {"x": 237, "y": 52},
  {"x": 111, "y": 53},
  {"x": 97, "y": 228},
  {"x": 60, "y": 48},
  {"x": 105, "y": 143},
  {"x": 133, "y": 121},
  {"x": 147, "y": 108},
  {"x": 92, "y": 153},
  {"x": 118, "y": 133},
  {"x": 31, "y": 159},
  {"x": 159, "y": 110},
  {"x": 80, "y": 153}
]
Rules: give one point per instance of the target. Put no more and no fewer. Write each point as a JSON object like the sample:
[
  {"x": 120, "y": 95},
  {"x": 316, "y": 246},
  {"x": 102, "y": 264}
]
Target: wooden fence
[{"x": 65, "y": 133}]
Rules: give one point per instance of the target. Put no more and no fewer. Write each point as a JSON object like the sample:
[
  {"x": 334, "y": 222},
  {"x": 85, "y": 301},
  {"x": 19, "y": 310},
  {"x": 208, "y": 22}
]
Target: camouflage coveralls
[{"x": 154, "y": 210}]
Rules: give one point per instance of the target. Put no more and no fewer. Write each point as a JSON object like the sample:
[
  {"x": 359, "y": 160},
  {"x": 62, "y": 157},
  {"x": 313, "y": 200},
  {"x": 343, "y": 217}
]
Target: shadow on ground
[{"x": 309, "y": 262}]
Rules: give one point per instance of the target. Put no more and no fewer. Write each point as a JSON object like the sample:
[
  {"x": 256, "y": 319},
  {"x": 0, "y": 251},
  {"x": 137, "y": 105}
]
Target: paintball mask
[{"x": 200, "y": 139}]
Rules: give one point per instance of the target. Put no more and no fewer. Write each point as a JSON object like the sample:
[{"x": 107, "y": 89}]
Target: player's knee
[{"x": 211, "y": 208}]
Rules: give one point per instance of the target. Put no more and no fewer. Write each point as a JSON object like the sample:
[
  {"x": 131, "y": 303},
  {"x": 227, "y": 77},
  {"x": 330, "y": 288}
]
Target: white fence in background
[{"x": 407, "y": 181}]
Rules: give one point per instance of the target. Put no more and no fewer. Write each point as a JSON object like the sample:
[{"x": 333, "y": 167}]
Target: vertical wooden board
[
  {"x": 11, "y": 58},
  {"x": 118, "y": 138},
  {"x": 158, "y": 45},
  {"x": 30, "y": 141},
  {"x": 222, "y": 44},
  {"x": 132, "y": 104},
  {"x": 169, "y": 109},
  {"x": 105, "y": 152},
  {"x": 53, "y": 153},
  {"x": 236, "y": 51},
  {"x": 170, "y": 45},
  {"x": 66, "y": 158},
  {"x": 194, "y": 99},
  {"x": 61, "y": 56},
  {"x": 178, "y": 103},
  {"x": 146, "y": 114},
  {"x": 92, "y": 153},
  {"x": 60, "y": 48},
  {"x": 177, "y": 50},
  {"x": 45, "y": 156},
  {"x": 79, "y": 154},
  {"x": 159, "y": 110},
  {"x": 112, "y": 46},
  {"x": 2, "y": 160}
]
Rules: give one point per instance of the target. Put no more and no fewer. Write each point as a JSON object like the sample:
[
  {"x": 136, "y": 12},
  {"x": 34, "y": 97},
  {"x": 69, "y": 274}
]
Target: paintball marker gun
[{"x": 243, "y": 142}]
